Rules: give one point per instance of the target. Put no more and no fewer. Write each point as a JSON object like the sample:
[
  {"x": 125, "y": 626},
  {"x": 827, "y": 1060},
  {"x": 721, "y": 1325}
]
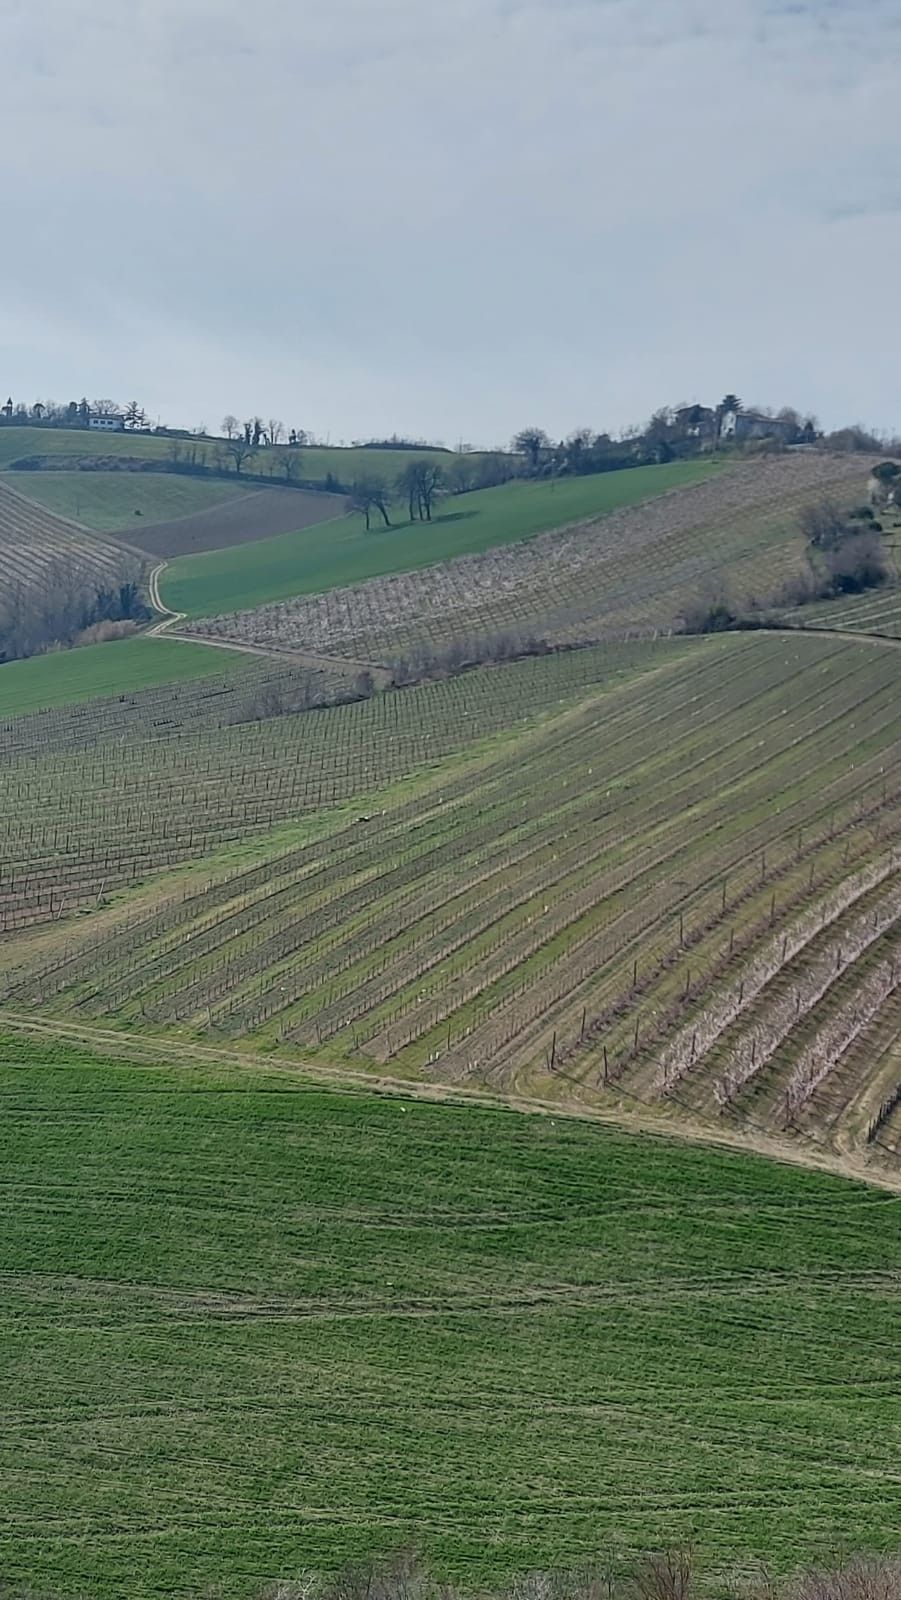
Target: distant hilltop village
[
  {"x": 732, "y": 422},
  {"x": 103, "y": 417}
]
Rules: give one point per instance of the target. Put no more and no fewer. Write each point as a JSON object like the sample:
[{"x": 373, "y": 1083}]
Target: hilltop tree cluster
[
  {"x": 679, "y": 432},
  {"x": 267, "y": 448},
  {"x": 420, "y": 485},
  {"x": 671, "y": 433},
  {"x": 71, "y": 413}
]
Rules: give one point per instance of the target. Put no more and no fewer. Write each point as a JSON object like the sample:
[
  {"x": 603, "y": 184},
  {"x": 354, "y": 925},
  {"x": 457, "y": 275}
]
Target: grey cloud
[{"x": 444, "y": 218}]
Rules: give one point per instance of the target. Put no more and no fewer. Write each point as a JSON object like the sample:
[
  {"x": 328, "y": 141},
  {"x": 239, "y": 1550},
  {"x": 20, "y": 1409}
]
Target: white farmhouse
[{"x": 106, "y": 421}]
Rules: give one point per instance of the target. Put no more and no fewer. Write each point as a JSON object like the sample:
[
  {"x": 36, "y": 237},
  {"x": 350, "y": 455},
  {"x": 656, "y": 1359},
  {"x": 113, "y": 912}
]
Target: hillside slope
[
  {"x": 318, "y": 463},
  {"x": 344, "y": 552},
  {"x": 658, "y": 874},
  {"x": 120, "y": 502},
  {"x": 38, "y": 548},
  {"x": 254, "y": 517},
  {"x": 250, "y": 1329},
  {"x": 634, "y": 570}
]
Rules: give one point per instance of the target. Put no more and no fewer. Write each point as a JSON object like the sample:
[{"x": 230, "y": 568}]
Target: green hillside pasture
[
  {"x": 342, "y": 552},
  {"x": 70, "y": 677},
  {"x": 638, "y": 569},
  {"x": 317, "y": 461},
  {"x": 123, "y": 501},
  {"x": 250, "y": 1328}
]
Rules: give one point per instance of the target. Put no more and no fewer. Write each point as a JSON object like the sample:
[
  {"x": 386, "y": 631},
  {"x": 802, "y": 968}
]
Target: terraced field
[
  {"x": 249, "y": 1328},
  {"x": 683, "y": 889},
  {"x": 634, "y": 571}
]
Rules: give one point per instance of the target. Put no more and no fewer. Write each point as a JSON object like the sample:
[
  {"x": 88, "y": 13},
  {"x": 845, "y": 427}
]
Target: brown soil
[{"x": 259, "y": 514}]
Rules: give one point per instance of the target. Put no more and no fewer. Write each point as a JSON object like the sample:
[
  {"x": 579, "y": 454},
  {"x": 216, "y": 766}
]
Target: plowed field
[{"x": 242, "y": 519}]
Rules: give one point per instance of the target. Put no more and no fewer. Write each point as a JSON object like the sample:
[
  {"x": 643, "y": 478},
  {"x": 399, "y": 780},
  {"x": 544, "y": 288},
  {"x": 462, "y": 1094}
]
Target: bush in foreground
[{"x": 673, "y": 1574}]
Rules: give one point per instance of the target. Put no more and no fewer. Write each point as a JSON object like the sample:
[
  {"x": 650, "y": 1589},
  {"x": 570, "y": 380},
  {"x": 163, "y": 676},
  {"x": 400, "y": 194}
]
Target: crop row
[
  {"x": 631, "y": 571},
  {"x": 615, "y": 895},
  {"x": 80, "y": 821},
  {"x": 34, "y": 543}
]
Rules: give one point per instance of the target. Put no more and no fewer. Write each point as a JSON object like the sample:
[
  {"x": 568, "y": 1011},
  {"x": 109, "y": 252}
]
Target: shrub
[
  {"x": 856, "y": 564},
  {"x": 823, "y": 524},
  {"x": 708, "y": 614}
]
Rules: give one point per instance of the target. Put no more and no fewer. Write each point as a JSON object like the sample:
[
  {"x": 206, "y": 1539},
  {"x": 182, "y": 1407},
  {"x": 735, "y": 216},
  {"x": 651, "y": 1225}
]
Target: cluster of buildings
[{"x": 735, "y": 423}]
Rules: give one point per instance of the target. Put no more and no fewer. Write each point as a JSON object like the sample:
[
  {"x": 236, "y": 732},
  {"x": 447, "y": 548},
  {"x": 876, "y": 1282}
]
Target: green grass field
[
  {"x": 317, "y": 461},
  {"x": 342, "y": 552},
  {"x": 249, "y": 1327},
  {"x": 70, "y": 677},
  {"x": 110, "y": 501}
]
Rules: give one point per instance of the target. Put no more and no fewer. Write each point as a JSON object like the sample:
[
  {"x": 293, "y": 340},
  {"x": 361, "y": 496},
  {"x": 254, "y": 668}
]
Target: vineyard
[
  {"x": 682, "y": 890},
  {"x": 632, "y": 571},
  {"x": 98, "y": 796},
  {"x": 250, "y": 1327},
  {"x": 119, "y": 670},
  {"x": 315, "y": 559},
  {"x": 37, "y": 548},
  {"x": 878, "y": 612}
]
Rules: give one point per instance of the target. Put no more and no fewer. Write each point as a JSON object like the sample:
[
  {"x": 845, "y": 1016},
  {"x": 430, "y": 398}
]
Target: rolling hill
[
  {"x": 600, "y": 877},
  {"x": 120, "y": 502},
  {"x": 318, "y": 462},
  {"x": 168, "y": 514},
  {"x": 387, "y": 1085},
  {"x": 634, "y": 569},
  {"x": 68, "y": 678},
  {"x": 36, "y": 546},
  {"x": 344, "y": 553}
]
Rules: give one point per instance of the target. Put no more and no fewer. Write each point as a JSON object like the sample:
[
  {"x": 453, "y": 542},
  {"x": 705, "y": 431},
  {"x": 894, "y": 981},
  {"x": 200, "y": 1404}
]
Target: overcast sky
[{"x": 450, "y": 218}]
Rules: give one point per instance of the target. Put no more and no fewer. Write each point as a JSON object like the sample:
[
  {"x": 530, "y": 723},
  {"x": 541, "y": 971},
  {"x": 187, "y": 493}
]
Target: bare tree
[
  {"x": 421, "y": 483},
  {"x": 290, "y": 462},
  {"x": 239, "y": 449},
  {"x": 275, "y": 431},
  {"x": 823, "y": 524},
  {"x": 406, "y": 483},
  {"x": 667, "y": 1576},
  {"x": 230, "y": 426},
  {"x": 368, "y": 495}
]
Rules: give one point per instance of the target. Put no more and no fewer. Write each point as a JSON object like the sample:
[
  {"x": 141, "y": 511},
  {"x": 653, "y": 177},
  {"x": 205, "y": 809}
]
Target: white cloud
[{"x": 449, "y": 219}]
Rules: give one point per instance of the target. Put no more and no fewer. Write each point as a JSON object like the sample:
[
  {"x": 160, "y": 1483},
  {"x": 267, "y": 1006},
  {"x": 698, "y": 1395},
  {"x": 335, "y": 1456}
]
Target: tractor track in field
[
  {"x": 167, "y": 628},
  {"x": 639, "y": 1118}
]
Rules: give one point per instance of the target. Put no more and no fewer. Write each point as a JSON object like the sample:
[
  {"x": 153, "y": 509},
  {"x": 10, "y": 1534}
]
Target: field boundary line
[
  {"x": 170, "y": 619},
  {"x": 101, "y": 536},
  {"x": 346, "y": 1079}
]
